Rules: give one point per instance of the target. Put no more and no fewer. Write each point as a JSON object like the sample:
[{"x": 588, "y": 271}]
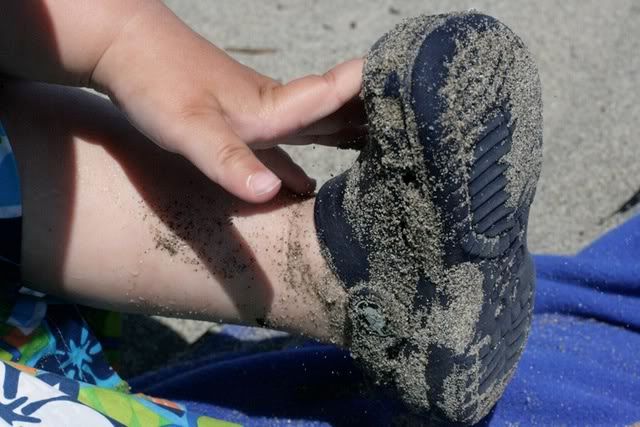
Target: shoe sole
[{"x": 428, "y": 230}]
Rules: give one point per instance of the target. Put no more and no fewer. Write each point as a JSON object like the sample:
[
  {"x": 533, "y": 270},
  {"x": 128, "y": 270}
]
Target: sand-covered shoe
[{"x": 427, "y": 230}]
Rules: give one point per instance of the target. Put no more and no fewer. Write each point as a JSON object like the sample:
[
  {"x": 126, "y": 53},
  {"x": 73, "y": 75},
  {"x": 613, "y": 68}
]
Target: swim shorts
[{"x": 10, "y": 213}]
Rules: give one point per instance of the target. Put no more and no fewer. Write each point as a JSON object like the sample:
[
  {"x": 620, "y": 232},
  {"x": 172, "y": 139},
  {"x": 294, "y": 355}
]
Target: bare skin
[
  {"x": 115, "y": 222},
  {"x": 181, "y": 91}
]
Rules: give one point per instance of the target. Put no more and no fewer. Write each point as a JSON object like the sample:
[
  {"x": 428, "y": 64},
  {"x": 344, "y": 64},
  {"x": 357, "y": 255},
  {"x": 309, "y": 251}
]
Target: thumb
[{"x": 222, "y": 156}]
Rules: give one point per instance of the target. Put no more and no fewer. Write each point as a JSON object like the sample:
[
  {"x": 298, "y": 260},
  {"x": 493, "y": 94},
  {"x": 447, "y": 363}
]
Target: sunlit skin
[
  {"x": 181, "y": 91},
  {"x": 113, "y": 221}
]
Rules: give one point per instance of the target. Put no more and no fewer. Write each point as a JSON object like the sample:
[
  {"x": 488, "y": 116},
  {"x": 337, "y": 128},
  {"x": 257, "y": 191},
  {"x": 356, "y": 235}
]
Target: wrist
[{"x": 119, "y": 55}]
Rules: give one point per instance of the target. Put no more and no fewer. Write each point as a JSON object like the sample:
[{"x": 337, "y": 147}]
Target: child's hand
[{"x": 191, "y": 98}]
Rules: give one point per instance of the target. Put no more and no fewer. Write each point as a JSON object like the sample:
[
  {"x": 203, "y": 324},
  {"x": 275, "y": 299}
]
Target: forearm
[{"x": 61, "y": 41}]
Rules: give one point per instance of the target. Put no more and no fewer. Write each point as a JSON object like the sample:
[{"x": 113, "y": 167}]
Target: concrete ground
[{"x": 587, "y": 52}]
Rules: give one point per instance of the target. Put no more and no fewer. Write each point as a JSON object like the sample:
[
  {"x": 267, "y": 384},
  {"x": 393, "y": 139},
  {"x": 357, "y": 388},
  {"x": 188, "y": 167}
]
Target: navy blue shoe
[{"x": 428, "y": 230}]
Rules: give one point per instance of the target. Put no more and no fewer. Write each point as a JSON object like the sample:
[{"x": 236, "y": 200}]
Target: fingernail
[{"x": 262, "y": 182}]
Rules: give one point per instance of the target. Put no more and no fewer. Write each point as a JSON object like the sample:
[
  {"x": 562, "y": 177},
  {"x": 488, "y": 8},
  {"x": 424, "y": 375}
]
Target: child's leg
[
  {"x": 112, "y": 221},
  {"x": 427, "y": 230}
]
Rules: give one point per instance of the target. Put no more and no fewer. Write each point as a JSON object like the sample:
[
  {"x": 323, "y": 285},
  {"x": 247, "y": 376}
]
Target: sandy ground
[{"x": 587, "y": 52}]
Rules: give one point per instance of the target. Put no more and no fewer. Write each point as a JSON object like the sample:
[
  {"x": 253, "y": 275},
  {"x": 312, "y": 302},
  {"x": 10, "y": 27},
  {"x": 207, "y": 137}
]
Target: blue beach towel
[{"x": 581, "y": 365}]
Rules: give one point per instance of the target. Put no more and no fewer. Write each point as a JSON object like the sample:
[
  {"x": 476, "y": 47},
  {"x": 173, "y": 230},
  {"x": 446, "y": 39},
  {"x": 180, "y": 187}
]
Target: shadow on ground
[{"x": 148, "y": 344}]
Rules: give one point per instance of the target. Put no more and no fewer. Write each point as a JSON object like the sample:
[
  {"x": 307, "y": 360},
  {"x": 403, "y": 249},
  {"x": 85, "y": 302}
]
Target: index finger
[{"x": 302, "y": 102}]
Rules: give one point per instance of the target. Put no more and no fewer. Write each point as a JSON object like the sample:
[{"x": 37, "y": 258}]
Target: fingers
[
  {"x": 346, "y": 137},
  {"x": 350, "y": 115},
  {"x": 292, "y": 175},
  {"x": 300, "y": 103},
  {"x": 218, "y": 152},
  {"x": 227, "y": 160}
]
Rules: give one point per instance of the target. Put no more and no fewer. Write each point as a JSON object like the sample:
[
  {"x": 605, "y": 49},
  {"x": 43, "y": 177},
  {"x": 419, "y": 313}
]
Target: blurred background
[{"x": 589, "y": 58}]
